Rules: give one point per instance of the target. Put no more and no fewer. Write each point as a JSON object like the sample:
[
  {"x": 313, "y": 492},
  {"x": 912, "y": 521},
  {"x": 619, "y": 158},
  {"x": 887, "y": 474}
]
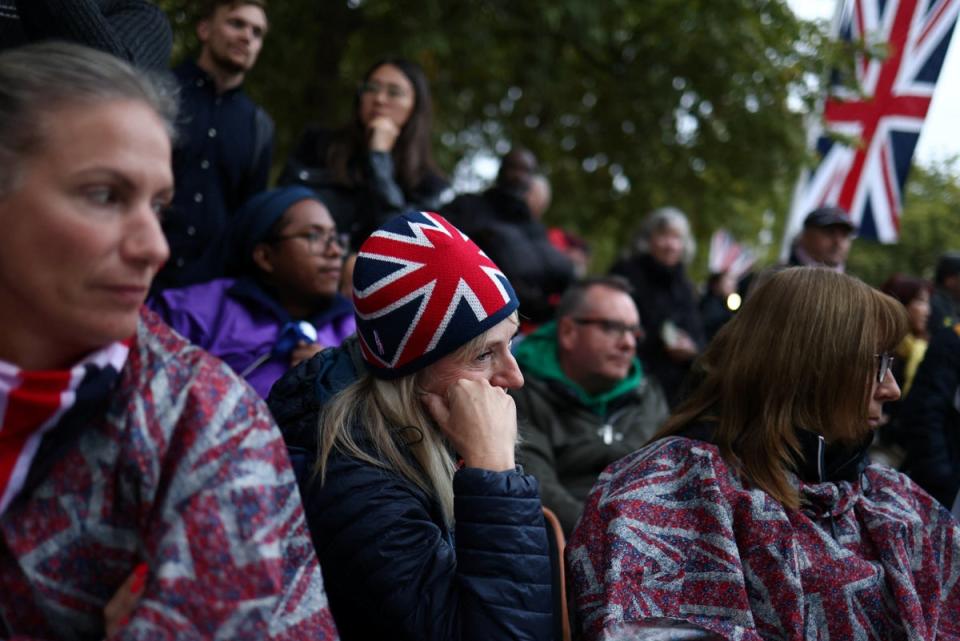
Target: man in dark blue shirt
[{"x": 225, "y": 141}]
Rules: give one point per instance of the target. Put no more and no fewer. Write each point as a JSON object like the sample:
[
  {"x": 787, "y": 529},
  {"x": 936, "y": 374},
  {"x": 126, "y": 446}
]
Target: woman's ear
[{"x": 263, "y": 257}]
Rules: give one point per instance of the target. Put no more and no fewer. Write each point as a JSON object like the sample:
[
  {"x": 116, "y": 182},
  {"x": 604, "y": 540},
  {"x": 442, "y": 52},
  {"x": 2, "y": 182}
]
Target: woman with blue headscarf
[{"x": 283, "y": 306}]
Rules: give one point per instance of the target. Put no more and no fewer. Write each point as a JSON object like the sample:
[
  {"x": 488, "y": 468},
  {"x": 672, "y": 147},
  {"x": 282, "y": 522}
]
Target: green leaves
[{"x": 629, "y": 104}]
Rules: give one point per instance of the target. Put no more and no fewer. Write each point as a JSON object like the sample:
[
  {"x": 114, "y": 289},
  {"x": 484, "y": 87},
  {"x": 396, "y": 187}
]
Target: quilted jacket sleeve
[{"x": 393, "y": 571}]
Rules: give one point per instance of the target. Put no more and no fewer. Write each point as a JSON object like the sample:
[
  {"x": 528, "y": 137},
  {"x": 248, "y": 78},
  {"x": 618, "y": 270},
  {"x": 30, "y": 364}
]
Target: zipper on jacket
[
  {"x": 255, "y": 364},
  {"x": 821, "y": 444},
  {"x": 821, "y": 465}
]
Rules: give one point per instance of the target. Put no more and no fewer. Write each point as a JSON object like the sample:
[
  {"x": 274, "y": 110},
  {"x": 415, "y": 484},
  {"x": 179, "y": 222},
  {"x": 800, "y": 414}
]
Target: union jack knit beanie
[{"x": 422, "y": 289}]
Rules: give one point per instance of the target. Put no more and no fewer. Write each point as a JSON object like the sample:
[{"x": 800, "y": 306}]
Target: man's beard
[{"x": 228, "y": 65}]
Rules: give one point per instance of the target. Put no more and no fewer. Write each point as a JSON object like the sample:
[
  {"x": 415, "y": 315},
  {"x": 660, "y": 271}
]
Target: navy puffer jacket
[{"x": 392, "y": 568}]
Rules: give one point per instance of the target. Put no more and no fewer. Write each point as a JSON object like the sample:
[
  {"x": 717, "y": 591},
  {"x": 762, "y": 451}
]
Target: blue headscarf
[{"x": 251, "y": 223}]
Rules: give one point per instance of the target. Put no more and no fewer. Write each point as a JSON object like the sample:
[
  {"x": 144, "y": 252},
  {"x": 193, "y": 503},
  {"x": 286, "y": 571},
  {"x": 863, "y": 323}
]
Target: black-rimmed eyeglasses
[
  {"x": 612, "y": 328},
  {"x": 884, "y": 363},
  {"x": 318, "y": 242}
]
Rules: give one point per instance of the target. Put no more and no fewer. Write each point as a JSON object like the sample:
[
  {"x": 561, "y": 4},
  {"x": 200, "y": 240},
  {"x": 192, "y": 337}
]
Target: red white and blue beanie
[{"x": 422, "y": 289}]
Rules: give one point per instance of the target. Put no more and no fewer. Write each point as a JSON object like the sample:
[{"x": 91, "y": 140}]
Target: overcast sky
[{"x": 940, "y": 137}]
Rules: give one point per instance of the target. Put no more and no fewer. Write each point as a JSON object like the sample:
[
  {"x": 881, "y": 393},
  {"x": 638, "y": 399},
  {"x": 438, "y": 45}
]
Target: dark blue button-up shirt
[{"x": 221, "y": 158}]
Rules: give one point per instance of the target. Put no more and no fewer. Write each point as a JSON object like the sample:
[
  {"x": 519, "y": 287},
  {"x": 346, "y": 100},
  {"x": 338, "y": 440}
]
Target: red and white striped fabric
[{"x": 32, "y": 402}]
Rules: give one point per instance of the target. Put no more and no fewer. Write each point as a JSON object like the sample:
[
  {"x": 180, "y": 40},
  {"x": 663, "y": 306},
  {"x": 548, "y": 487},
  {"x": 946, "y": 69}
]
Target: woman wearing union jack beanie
[{"x": 435, "y": 318}]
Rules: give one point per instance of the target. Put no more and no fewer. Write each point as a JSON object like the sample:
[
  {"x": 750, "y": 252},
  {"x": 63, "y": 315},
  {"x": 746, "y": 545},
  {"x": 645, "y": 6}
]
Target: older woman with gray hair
[
  {"x": 656, "y": 267},
  {"x": 144, "y": 490}
]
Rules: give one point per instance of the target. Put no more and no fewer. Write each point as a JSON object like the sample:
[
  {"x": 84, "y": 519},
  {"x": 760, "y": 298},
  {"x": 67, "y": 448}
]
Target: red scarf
[{"x": 34, "y": 402}]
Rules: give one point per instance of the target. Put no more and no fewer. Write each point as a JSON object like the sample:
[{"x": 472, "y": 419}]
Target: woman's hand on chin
[
  {"x": 382, "y": 134},
  {"x": 480, "y": 420}
]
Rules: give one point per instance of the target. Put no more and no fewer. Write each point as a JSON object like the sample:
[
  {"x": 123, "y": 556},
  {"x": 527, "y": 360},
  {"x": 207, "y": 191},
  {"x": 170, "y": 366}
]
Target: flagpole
[{"x": 798, "y": 207}]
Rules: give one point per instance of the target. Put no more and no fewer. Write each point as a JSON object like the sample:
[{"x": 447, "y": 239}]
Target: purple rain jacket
[{"x": 239, "y": 322}]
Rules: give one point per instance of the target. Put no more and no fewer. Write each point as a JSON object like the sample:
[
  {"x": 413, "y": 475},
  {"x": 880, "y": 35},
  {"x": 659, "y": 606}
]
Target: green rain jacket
[{"x": 568, "y": 436}]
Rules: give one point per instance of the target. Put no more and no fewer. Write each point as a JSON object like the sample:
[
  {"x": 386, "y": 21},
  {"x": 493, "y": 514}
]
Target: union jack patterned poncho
[
  {"x": 671, "y": 538},
  {"x": 187, "y": 473}
]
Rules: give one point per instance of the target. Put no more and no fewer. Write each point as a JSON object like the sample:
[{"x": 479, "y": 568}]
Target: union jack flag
[
  {"x": 867, "y": 179},
  {"x": 422, "y": 286}
]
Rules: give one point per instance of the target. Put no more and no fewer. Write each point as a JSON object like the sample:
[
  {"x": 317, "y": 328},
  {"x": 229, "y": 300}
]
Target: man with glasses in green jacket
[{"x": 586, "y": 401}]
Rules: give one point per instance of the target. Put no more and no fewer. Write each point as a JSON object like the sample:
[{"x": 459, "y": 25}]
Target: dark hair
[
  {"x": 905, "y": 288},
  {"x": 575, "y": 294},
  {"x": 517, "y": 170},
  {"x": 211, "y": 6},
  {"x": 948, "y": 265},
  {"x": 413, "y": 151}
]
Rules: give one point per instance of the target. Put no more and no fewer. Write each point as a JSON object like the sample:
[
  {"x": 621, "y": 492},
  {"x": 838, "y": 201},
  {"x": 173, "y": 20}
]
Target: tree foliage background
[{"x": 629, "y": 104}]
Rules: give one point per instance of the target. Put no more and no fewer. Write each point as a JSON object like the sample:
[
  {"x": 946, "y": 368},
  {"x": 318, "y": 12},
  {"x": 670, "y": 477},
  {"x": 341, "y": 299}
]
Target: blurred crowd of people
[{"x": 352, "y": 403}]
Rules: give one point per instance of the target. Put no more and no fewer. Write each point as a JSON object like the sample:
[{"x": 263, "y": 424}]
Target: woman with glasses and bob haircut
[
  {"x": 144, "y": 491},
  {"x": 381, "y": 163},
  {"x": 755, "y": 514}
]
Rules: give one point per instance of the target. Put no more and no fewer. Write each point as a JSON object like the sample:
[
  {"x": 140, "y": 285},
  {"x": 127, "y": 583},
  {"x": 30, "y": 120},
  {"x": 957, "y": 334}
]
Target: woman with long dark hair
[{"x": 381, "y": 163}]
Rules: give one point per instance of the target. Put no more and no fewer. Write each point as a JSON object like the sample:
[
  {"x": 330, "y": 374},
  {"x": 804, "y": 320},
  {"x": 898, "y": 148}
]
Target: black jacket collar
[{"x": 818, "y": 462}]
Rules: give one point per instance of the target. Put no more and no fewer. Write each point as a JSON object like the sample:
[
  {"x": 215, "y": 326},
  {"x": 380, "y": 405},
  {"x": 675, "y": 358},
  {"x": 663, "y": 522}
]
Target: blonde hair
[
  {"x": 391, "y": 417},
  {"x": 799, "y": 354}
]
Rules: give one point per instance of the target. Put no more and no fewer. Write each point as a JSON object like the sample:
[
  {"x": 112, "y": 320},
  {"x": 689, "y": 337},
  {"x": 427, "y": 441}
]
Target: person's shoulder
[
  {"x": 432, "y": 184},
  {"x": 885, "y": 486},
  {"x": 683, "y": 459},
  {"x": 191, "y": 310},
  {"x": 164, "y": 358},
  {"x": 182, "y": 399},
  {"x": 945, "y": 340},
  {"x": 366, "y": 490},
  {"x": 461, "y": 201},
  {"x": 647, "y": 391},
  {"x": 188, "y": 294},
  {"x": 629, "y": 267},
  {"x": 296, "y": 398},
  {"x": 186, "y": 73},
  {"x": 308, "y": 162}
]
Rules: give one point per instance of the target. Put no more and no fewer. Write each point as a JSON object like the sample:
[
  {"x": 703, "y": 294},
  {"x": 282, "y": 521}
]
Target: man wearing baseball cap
[{"x": 825, "y": 240}]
